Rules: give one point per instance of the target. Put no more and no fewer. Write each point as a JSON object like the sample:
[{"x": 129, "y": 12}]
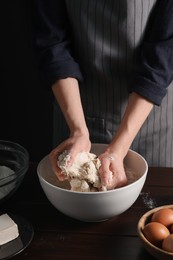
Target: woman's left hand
[{"x": 112, "y": 172}]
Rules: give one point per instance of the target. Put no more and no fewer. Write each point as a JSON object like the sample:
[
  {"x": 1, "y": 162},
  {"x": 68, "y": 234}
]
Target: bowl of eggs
[
  {"x": 94, "y": 206},
  {"x": 155, "y": 230}
]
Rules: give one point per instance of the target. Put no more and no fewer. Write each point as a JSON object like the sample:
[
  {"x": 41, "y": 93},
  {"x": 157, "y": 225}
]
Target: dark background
[{"x": 25, "y": 106}]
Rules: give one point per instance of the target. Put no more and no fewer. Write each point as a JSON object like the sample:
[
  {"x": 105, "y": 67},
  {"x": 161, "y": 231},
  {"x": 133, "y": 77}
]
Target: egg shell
[
  {"x": 167, "y": 243},
  {"x": 155, "y": 233},
  {"x": 163, "y": 216}
]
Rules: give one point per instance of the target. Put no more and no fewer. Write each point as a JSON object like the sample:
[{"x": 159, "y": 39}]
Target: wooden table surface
[{"x": 57, "y": 236}]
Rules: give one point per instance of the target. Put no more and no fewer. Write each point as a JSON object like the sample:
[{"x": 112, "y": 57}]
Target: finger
[
  {"x": 61, "y": 176},
  {"x": 106, "y": 177},
  {"x": 72, "y": 156},
  {"x": 118, "y": 180},
  {"x": 53, "y": 160},
  {"x": 105, "y": 173}
]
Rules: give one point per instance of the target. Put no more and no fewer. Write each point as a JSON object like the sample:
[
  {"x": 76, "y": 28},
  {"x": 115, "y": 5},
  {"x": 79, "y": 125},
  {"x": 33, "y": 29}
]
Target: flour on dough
[{"x": 83, "y": 175}]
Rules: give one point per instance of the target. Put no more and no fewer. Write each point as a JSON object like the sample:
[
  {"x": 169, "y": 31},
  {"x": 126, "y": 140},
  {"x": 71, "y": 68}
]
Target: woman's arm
[
  {"x": 58, "y": 68},
  {"x": 155, "y": 68},
  {"x": 66, "y": 92},
  {"x": 137, "y": 110},
  {"x": 51, "y": 41},
  {"x": 155, "y": 73}
]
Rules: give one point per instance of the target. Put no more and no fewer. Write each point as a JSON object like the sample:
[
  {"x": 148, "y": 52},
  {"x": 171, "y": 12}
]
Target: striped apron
[{"x": 106, "y": 37}]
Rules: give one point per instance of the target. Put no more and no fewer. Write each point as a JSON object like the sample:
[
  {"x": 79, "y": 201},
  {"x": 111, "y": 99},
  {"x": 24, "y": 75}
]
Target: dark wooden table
[{"x": 57, "y": 236}]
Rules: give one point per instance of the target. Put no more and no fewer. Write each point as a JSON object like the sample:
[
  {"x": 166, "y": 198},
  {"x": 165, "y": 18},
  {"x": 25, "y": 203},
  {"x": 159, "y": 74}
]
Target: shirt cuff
[
  {"x": 149, "y": 90},
  {"x": 60, "y": 70}
]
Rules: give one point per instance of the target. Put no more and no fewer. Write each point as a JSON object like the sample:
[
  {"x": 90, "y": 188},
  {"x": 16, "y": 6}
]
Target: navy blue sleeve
[
  {"x": 51, "y": 43},
  {"x": 156, "y": 64}
]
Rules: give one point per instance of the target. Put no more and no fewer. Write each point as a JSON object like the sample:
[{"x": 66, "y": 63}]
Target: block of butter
[{"x": 8, "y": 229}]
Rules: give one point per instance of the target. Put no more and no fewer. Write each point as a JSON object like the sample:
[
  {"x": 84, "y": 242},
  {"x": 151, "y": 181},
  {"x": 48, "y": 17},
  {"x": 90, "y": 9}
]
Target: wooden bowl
[{"x": 158, "y": 253}]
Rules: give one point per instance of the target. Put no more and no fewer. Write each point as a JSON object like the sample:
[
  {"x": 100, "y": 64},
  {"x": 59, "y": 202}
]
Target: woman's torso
[{"x": 106, "y": 38}]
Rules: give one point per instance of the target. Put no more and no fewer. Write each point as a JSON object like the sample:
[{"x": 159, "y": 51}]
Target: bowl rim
[
  {"x": 8, "y": 145},
  {"x": 14, "y": 180},
  {"x": 97, "y": 192},
  {"x": 7, "y": 142},
  {"x": 141, "y": 224}
]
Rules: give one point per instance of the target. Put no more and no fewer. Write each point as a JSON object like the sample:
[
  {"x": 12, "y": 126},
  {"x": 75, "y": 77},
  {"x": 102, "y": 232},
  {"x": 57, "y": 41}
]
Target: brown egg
[
  {"x": 167, "y": 244},
  {"x": 163, "y": 216},
  {"x": 155, "y": 233}
]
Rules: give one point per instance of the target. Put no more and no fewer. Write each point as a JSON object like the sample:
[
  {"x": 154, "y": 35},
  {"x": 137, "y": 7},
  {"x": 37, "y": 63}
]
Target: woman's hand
[
  {"x": 112, "y": 171},
  {"x": 74, "y": 145},
  {"x": 137, "y": 111}
]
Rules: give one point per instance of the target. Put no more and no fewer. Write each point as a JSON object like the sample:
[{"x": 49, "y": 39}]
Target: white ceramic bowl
[{"x": 93, "y": 206}]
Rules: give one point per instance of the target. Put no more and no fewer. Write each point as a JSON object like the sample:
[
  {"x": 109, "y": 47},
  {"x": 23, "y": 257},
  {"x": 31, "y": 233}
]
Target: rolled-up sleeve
[
  {"x": 51, "y": 41},
  {"x": 155, "y": 71}
]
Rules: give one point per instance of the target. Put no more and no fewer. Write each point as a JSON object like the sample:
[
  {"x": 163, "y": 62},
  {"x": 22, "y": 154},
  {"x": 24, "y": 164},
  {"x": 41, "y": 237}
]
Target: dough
[{"x": 83, "y": 175}]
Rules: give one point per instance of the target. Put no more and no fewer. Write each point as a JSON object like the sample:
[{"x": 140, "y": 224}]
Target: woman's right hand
[{"x": 75, "y": 144}]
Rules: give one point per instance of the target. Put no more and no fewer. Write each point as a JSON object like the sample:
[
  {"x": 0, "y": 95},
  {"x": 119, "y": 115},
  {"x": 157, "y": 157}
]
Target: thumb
[{"x": 72, "y": 157}]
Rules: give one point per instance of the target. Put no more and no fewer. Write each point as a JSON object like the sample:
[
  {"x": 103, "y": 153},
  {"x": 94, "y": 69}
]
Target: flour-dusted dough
[{"x": 83, "y": 175}]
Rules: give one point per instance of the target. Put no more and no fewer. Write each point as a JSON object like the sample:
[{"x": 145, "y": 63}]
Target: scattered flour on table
[{"x": 148, "y": 201}]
